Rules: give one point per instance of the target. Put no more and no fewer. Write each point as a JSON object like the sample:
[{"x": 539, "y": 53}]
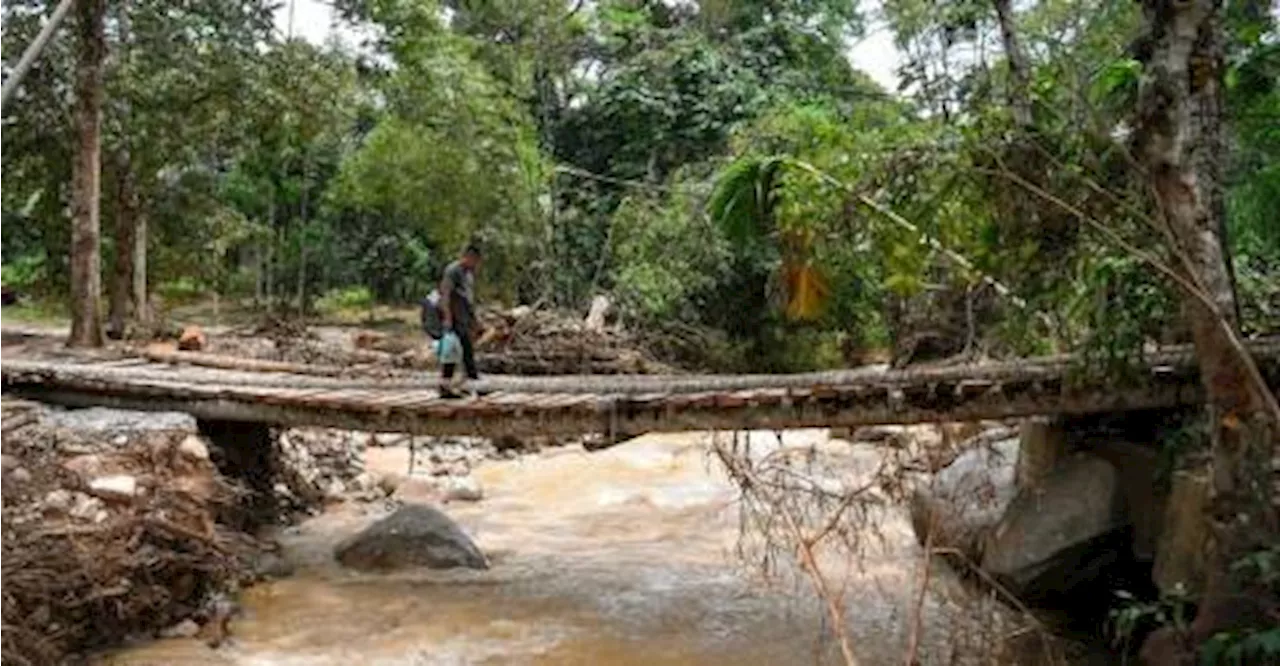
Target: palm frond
[{"x": 743, "y": 202}]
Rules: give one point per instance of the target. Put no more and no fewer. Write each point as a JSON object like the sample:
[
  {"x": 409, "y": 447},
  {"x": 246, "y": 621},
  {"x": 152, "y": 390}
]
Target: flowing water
[{"x": 625, "y": 556}]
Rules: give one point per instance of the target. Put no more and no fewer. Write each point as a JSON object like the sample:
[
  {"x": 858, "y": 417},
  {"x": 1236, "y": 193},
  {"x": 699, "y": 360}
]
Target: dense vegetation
[{"x": 716, "y": 164}]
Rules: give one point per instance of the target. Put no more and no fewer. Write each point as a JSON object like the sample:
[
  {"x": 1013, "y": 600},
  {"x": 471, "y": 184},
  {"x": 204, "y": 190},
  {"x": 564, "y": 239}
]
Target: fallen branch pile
[
  {"x": 524, "y": 341},
  {"x": 104, "y": 541}
]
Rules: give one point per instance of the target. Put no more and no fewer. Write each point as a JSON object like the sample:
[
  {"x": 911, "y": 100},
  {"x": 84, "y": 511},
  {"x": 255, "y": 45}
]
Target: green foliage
[
  {"x": 1116, "y": 86},
  {"x": 1253, "y": 96},
  {"x": 796, "y": 207},
  {"x": 1132, "y": 615},
  {"x": 25, "y": 273},
  {"x": 455, "y": 158},
  {"x": 711, "y": 163},
  {"x": 1121, "y": 307},
  {"x": 659, "y": 108},
  {"x": 183, "y": 290},
  {"x": 745, "y": 198},
  {"x": 1261, "y": 567},
  {"x": 344, "y": 300},
  {"x": 1241, "y": 648},
  {"x": 670, "y": 259},
  {"x": 1256, "y": 574}
]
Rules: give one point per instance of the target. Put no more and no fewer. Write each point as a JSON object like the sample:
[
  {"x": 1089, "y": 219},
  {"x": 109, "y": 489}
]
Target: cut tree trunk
[
  {"x": 1179, "y": 135},
  {"x": 86, "y": 280}
]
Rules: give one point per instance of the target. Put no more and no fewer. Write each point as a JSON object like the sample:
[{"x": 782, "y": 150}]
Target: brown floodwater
[{"x": 625, "y": 556}]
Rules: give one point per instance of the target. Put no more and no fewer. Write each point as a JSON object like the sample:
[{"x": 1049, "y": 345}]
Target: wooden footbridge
[{"x": 225, "y": 389}]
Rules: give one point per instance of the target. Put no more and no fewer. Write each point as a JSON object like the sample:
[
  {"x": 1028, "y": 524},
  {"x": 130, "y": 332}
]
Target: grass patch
[{"x": 36, "y": 312}]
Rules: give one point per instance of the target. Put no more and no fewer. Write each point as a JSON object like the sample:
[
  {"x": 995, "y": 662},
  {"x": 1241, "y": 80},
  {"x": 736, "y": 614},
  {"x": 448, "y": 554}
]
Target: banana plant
[{"x": 744, "y": 205}]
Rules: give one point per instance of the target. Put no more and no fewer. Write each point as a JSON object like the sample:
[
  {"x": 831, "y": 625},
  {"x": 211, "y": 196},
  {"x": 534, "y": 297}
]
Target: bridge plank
[
  {"x": 574, "y": 405},
  {"x": 409, "y": 398}
]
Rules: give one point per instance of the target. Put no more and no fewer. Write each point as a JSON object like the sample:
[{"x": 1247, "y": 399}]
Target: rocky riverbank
[{"x": 1070, "y": 519}]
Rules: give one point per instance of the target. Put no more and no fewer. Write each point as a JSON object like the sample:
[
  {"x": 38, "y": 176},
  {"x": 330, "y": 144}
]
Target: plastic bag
[{"x": 449, "y": 348}]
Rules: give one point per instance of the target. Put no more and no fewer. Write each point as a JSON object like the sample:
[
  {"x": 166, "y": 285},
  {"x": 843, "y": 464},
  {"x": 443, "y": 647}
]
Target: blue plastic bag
[{"x": 449, "y": 348}]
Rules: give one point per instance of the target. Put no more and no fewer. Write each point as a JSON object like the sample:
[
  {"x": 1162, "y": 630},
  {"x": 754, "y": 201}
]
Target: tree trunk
[
  {"x": 302, "y": 235},
  {"x": 259, "y": 264},
  {"x": 1019, "y": 67},
  {"x": 128, "y": 308},
  {"x": 1179, "y": 135},
  {"x": 1210, "y": 154},
  {"x": 129, "y": 279},
  {"x": 269, "y": 263},
  {"x": 141, "y": 297},
  {"x": 86, "y": 280}
]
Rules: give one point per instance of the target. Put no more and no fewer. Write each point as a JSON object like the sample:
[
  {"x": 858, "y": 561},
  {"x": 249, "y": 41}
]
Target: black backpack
[{"x": 431, "y": 323}]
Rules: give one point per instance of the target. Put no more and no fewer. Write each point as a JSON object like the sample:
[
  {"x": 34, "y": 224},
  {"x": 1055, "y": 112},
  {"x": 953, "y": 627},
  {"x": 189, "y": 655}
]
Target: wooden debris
[{"x": 192, "y": 339}]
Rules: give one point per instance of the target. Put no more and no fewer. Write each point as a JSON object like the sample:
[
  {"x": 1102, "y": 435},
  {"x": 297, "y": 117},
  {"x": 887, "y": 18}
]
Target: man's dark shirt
[{"x": 461, "y": 283}]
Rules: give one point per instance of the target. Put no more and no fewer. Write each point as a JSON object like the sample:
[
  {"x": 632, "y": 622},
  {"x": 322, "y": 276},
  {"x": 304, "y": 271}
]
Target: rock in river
[
  {"x": 967, "y": 498},
  {"x": 415, "y": 535},
  {"x": 1059, "y": 534}
]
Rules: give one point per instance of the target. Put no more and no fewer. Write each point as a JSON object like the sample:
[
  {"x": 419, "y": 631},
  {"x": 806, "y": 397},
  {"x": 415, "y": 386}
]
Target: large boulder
[
  {"x": 1138, "y": 466},
  {"x": 1061, "y": 532},
  {"x": 966, "y": 499},
  {"x": 415, "y": 535}
]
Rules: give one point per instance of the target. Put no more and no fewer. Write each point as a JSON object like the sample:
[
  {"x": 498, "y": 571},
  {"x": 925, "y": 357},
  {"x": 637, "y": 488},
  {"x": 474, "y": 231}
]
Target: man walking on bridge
[{"x": 457, "y": 315}]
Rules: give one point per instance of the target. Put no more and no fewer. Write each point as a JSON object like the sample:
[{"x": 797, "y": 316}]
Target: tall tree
[
  {"x": 129, "y": 274},
  {"x": 1179, "y": 106},
  {"x": 86, "y": 324},
  {"x": 182, "y": 86}
]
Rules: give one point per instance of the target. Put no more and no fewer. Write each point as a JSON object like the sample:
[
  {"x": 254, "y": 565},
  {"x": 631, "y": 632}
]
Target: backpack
[{"x": 431, "y": 323}]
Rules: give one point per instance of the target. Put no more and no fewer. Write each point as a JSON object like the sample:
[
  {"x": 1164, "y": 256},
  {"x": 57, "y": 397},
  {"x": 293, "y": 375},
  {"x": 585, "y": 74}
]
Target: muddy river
[{"x": 625, "y": 556}]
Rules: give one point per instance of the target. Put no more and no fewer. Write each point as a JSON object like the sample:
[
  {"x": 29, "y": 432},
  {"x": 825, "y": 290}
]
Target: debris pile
[
  {"x": 292, "y": 340},
  {"x": 524, "y": 341},
  {"x": 450, "y": 456},
  {"x": 518, "y": 341},
  {"x": 318, "y": 465},
  {"x": 109, "y": 533}
]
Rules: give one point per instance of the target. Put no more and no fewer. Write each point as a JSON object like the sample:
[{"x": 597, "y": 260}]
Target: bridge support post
[
  {"x": 1042, "y": 442},
  {"x": 245, "y": 451}
]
